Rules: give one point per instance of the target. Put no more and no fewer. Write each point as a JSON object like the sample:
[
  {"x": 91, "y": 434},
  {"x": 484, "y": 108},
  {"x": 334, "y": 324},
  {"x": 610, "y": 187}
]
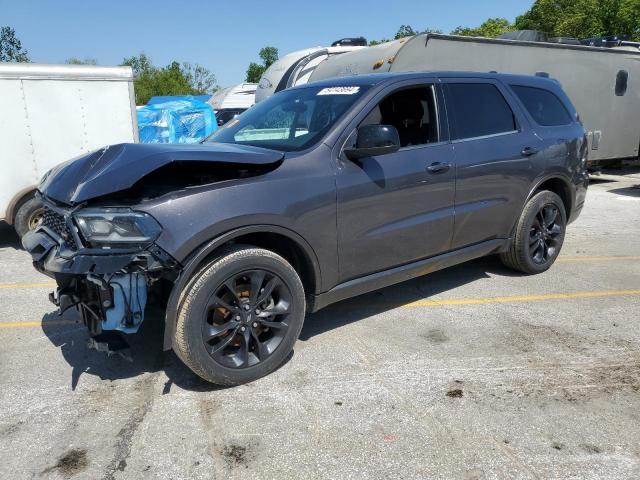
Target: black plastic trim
[{"x": 395, "y": 275}]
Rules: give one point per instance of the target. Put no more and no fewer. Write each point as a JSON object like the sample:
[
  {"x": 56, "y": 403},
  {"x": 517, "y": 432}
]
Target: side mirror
[{"x": 374, "y": 140}]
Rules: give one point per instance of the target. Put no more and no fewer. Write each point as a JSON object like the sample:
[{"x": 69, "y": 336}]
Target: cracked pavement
[{"x": 473, "y": 372}]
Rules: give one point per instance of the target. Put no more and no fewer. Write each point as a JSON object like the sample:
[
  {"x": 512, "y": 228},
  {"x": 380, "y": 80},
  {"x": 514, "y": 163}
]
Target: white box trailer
[
  {"x": 50, "y": 114},
  {"x": 603, "y": 83}
]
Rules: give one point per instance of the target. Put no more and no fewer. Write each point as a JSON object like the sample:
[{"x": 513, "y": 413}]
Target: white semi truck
[
  {"x": 602, "y": 82},
  {"x": 49, "y": 114}
]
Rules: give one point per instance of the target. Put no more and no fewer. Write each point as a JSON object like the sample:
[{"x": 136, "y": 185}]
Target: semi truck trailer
[{"x": 602, "y": 82}]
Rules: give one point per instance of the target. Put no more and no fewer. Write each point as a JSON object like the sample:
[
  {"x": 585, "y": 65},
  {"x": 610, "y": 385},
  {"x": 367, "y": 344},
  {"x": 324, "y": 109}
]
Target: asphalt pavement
[{"x": 474, "y": 372}]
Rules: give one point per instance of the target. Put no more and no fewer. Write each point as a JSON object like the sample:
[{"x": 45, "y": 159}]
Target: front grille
[{"x": 57, "y": 223}]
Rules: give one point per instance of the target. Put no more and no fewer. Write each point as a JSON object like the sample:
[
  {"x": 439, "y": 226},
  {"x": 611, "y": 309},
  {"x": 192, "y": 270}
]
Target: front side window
[
  {"x": 478, "y": 109},
  {"x": 545, "y": 108},
  {"x": 412, "y": 112},
  {"x": 291, "y": 120}
]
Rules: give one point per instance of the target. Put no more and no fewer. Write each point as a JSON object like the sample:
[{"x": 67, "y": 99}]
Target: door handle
[
  {"x": 528, "y": 151},
  {"x": 438, "y": 167}
]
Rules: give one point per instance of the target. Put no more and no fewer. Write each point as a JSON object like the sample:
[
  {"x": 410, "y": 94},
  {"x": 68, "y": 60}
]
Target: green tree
[
  {"x": 627, "y": 20},
  {"x": 254, "y": 72},
  {"x": 11, "y": 47},
  {"x": 378, "y": 42},
  {"x": 404, "y": 31},
  {"x": 583, "y": 18},
  {"x": 268, "y": 55},
  {"x": 491, "y": 28},
  {"x": 201, "y": 79},
  {"x": 174, "y": 79},
  {"x": 81, "y": 61},
  {"x": 140, "y": 64},
  {"x": 570, "y": 18}
]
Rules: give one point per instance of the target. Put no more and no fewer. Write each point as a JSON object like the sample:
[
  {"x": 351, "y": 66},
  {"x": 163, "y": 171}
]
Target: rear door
[
  {"x": 397, "y": 208},
  {"x": 496, "y": 157}
]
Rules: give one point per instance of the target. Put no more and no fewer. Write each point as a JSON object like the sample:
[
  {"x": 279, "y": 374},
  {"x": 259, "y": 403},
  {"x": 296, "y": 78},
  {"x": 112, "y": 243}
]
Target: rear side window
[
  {"x": 479, "y": 109},
  {"x": 545, "y": 108}
]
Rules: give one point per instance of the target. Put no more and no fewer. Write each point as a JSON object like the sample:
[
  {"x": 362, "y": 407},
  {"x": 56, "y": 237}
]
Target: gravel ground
[{"x": 469, "y": 373}]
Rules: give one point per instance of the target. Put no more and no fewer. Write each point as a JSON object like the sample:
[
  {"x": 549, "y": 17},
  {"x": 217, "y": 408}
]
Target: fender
[
  {"x": 194, "y": 261},
  {"x": 536, "y": 184},
  {"x": 550, "y": 176}
]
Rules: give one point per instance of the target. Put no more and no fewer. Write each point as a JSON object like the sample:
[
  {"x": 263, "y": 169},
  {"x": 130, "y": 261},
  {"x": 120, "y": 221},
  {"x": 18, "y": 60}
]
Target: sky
[{"x": 224, "y": 36}]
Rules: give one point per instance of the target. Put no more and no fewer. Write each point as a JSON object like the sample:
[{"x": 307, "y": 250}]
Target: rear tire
[
  {"x": 240, "y": 316},
  {"x": 539, "y": 234},
  {"x": 28, "y": 216}
]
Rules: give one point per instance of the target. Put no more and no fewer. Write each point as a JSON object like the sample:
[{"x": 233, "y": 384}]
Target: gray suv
[{"x": 319, "y": 193}]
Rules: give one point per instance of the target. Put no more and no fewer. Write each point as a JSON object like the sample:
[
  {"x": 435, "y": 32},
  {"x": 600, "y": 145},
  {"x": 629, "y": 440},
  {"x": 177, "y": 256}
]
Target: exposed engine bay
[{"x": 109, "y": 289}]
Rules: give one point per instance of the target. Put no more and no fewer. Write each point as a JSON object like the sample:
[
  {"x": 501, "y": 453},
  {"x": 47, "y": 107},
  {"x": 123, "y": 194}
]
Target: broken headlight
[{"x": 115, "y": 226}]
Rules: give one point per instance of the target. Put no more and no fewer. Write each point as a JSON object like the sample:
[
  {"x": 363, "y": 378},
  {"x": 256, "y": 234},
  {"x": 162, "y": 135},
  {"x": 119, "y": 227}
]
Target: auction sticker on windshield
[{"x": 339, "y": 91}]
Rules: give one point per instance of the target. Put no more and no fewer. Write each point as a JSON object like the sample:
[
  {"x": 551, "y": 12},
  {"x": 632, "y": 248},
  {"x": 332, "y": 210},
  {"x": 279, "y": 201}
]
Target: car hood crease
[{"x": 118, "y": 167}]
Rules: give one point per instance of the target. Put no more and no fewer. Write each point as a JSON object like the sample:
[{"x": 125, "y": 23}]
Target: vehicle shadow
[
  {"x": 421, "y": 288},
  {"x": 593, "y": 180},
  {"x": 8, "y": 236},
  {"x": 633, "y": 191},
  {"x": 146, "y": 355}
]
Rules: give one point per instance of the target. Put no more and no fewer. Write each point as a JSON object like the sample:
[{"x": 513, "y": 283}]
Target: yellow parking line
[
  {"x": 521, "y": 298},
  {"x": 423, "y": 303},
  {"x": 597, "y": 258},
  {"x": 36, "y": 324},
  {"x": 27, "y": 285}
]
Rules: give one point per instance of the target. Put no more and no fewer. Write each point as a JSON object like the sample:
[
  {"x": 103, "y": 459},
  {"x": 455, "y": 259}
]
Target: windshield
[{"x": 291, "y": 120}]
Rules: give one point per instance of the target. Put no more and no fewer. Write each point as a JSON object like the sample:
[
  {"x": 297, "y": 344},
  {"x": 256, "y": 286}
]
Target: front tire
[
  {"x": 240, "y": 316},
  {"x": 539, "y": 234}
]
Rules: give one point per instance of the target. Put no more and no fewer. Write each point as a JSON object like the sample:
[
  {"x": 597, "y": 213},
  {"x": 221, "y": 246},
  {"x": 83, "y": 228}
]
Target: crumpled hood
[{"x": 118, "y": 167}]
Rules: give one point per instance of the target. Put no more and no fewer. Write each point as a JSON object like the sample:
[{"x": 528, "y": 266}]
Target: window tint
[
  {"x": 479, "y": 109},
  {"x": 413, "y": 113},
  {"x": 545, "y": 108}
]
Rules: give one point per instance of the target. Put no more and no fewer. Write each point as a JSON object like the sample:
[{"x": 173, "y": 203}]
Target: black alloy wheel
[
  {"x": 240, "y": 315},
  {"x": 545, "y": 234},
  {"x": 245, "y": 318},
  {"x": 538, "y": 235}
]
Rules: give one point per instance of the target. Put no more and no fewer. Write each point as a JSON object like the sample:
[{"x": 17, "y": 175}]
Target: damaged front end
[
  {"x": 104, "y": 261},
  {"x": 100, "y": 246}
]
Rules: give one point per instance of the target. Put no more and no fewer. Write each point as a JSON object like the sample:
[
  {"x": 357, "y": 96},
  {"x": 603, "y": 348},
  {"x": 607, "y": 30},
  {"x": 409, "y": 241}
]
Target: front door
[{"x": 397, "y": 208}]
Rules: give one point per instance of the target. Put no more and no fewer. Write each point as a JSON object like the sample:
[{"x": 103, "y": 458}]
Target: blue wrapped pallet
[{"x": 182, "y": 119}]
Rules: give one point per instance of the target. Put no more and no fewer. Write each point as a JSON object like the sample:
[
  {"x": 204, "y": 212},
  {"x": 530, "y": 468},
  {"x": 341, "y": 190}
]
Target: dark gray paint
[
  {"x": 117, "y": 167},
  {"x": 362, "y": 224}
]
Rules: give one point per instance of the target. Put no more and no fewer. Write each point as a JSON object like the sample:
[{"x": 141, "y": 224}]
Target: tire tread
[
  {"x": 181, "y": 344},
  {"x": 516, "y": 257}
]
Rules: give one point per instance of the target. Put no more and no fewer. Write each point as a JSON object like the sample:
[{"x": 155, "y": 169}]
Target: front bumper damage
[{"x": 110, "y": 287}]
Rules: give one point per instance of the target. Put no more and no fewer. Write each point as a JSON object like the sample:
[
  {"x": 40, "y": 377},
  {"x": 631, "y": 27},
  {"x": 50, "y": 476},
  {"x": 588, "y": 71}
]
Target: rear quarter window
[
  {"x": 545, "y": 108},
  {"x": 479, "y": 110}
]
